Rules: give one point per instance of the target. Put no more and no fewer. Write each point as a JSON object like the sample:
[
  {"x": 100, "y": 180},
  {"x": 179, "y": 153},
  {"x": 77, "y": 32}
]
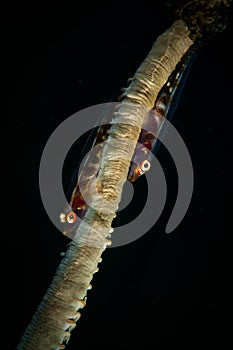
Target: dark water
[{"x": 162, "y": 289}]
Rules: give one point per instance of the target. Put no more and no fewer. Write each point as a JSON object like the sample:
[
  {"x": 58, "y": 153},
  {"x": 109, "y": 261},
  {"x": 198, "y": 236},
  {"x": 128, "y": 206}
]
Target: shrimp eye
[
  {"x": 71, "y": 217},
  {"x": 145, "y": 165}
]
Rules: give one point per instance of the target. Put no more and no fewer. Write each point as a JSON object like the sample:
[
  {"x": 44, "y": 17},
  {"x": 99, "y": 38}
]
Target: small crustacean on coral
[{"x": 58, "y": 312}]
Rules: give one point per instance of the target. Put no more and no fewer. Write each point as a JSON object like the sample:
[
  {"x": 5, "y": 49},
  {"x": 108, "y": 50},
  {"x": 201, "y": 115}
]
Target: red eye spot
[{"x": 71, "y": 217}]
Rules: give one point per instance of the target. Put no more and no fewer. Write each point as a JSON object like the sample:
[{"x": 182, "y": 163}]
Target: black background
[{"x": 161, "y": 289}]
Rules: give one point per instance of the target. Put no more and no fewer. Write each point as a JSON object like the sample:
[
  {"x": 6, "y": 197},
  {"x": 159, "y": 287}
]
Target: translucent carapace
[{"x": 164, "y": 107}]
